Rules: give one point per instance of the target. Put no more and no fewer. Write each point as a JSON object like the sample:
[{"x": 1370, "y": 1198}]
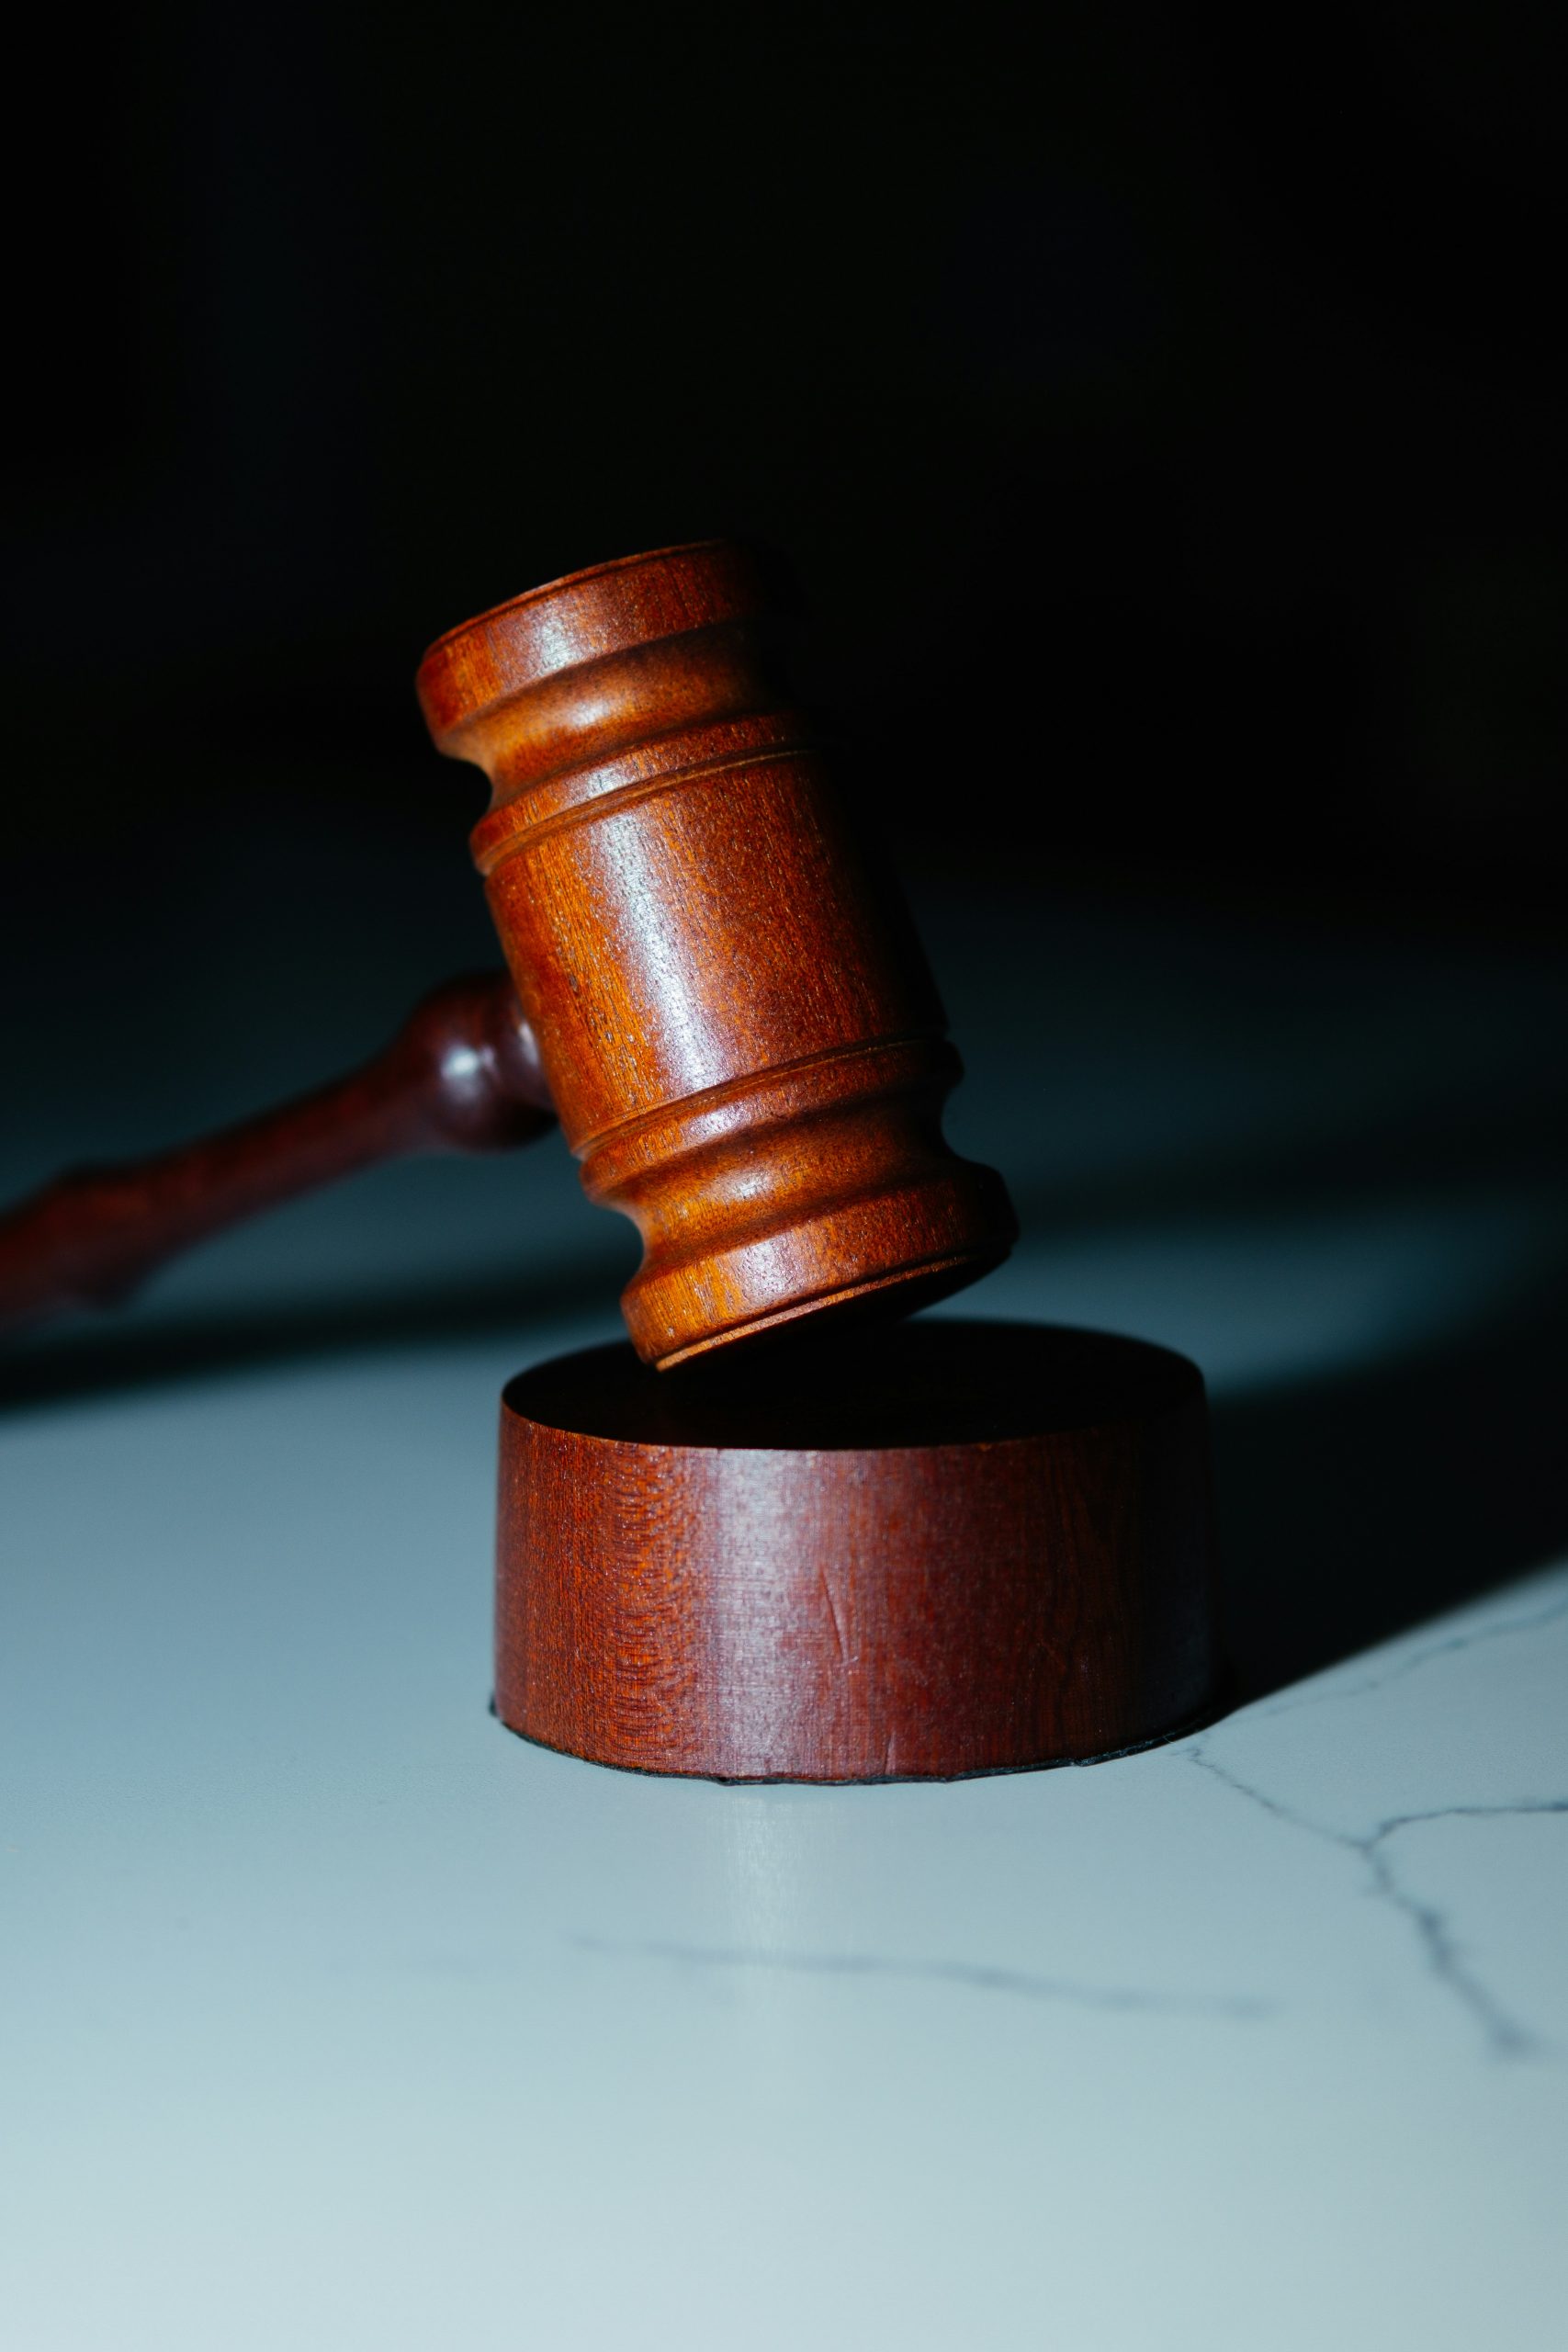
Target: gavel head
[{"x": 744, "y": 1045}]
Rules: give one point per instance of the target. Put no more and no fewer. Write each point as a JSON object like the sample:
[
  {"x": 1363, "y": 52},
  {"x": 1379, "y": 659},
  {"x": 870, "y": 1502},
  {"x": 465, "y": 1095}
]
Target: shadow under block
[{"x": 943, "y": 1548}]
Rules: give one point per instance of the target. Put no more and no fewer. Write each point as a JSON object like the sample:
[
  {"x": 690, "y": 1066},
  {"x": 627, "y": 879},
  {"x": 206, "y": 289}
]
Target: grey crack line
[
  {"x": 1448, "y": 1647},
  {"x": 971, "y": 1976},
  {"x": 1505, "y": 2036}
]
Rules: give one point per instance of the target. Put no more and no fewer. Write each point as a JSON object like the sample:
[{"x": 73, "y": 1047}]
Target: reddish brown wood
[
  {"x": 741, "y": 1038},
  {"x": 738, "y": 1030},
  {"x": 462, "y": 1075},
  {"x": 944, "y": 1548}
]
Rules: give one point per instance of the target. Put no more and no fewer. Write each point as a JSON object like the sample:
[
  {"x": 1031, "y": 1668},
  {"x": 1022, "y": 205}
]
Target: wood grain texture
[
  {"x": 739, "y": 1032},
  {"x": 944, "y": 1548},
  {"x": 461, "y": 1075}
]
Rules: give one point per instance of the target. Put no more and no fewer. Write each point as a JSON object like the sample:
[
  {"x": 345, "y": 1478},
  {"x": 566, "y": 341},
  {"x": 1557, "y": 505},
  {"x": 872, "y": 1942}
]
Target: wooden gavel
[{"x": 734, "y": 1026}]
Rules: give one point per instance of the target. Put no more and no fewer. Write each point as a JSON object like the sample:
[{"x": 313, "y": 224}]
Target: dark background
[{"x": 1161, "y": 411}]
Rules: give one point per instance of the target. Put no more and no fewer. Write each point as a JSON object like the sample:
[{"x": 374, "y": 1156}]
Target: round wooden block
[{"x": 943, "y": 1548}]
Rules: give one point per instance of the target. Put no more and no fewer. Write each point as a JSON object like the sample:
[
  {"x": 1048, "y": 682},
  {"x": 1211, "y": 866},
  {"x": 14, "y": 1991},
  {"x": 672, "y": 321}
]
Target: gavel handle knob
[{"x": 461, "y": 1075}]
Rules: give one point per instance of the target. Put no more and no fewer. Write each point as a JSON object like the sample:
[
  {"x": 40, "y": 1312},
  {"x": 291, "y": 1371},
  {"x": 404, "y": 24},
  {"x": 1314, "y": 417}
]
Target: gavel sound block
[{"x": 943, "y": 1548}]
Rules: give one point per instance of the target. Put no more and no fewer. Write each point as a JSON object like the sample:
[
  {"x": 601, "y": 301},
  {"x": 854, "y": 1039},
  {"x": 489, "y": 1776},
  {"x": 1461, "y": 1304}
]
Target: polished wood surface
[
  {"x": 736, "y": 1027},
  {"x": 462, "y": 1075},
  {"x": 739, "y": 1032},
  {"x": 943, "y": 1548}
]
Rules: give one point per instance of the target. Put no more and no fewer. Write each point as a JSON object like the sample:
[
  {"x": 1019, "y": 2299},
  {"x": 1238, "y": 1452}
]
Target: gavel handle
[{"x": 461, "y": 1075}]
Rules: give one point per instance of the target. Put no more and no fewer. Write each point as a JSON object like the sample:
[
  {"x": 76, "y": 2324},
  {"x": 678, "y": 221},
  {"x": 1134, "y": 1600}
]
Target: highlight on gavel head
[{"x": 744, "y": 1047}]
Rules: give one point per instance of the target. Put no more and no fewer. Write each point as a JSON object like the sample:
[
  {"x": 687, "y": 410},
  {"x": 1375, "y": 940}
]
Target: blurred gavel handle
[{"x": 461, "y": 1075}]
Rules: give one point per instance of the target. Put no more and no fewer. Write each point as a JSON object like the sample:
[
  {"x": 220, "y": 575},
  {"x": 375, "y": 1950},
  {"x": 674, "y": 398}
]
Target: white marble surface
[
  {"x": 336, "y": 2017},
  {"x": 333, "y": 2018}
]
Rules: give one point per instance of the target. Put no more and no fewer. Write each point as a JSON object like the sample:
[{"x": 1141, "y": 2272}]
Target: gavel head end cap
[{"x": 590, "y": 616}]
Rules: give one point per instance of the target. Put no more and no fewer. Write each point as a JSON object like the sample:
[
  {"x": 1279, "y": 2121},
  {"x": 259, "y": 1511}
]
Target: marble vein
[
  {"x": 971, "y": 1976},
  {"x": 1505, "y": 2035}
]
